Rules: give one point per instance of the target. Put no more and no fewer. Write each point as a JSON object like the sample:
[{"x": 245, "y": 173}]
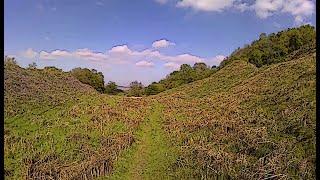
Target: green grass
[
  {"x": 70, "y": 138},
  {"x": 225, "y": 124},
  {"x": 151, "y": 156}
]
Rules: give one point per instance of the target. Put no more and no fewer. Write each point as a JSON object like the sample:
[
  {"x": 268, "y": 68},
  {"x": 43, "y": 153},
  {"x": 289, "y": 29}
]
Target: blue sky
[{"x": 143, "y": 39}]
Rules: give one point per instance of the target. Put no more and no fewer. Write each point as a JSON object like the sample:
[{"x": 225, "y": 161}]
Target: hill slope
[
  {"x": 30, "y": 89},
  {"x": 246, "y": 123},
  {"x": 58, "y": 128}
]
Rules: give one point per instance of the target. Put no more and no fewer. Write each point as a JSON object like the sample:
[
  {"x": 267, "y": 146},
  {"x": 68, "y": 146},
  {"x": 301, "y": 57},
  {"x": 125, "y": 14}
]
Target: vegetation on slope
[
  {"x": 36, "y": 90},
  {"x": 91, "y": 77},
  {"x": 271, "y": 49},
  {"x": 243, "y": 122},
  {"x": 58, "y": 128},
  {"x": 275, "y": 48},
  {"x": 246, "y": 123},
  {"x": 185, "y": 75}
]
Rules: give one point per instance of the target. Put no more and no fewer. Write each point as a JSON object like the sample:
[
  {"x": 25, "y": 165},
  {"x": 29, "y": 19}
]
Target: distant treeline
[{"x": 185, "y": 75}]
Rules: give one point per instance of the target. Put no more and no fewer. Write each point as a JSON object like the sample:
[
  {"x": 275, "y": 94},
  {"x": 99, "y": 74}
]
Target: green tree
[
  {"x": 200, "y": 66},
  {"x": 112, "y": 88},
  {"x": 33, "y": 65},
  {"x": 90, "y": 77},
  {"x": 136, "y": 89},
  {"x": 185, "y": 67},
  {"x": 52, "y": 68},
  {"x": 262, "y": 35},
  {"x": 154, "y": 88},
  {"x": 295, "y": 42},
  {"x": 186, "y": 74},
  {"x": 255, "y": 57},
  {"x": 10, "y": 60}
]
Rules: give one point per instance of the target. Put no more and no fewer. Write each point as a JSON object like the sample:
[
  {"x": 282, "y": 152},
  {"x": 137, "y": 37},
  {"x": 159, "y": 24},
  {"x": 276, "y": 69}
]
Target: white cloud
[
  {"x": 60, "y": 53},
  {"x": 90, "y": 55},
  {"x": 265, "y": 8},
  {"x": 145, "y": 64},
  {"x": 120, "y": 54},
  {"x": 242, "y": 7},
  {"x": 29, "y": 53},
  {"x": 299, "y": 7},
  {"x": 301, "y": 10},
  {"x": 162, "y": 43},
  {"x": 206, "y": 5},
  {"x": 45, "y": 55},
  {"x": 172, "y": 65},
  {"x": 120, "y": 49},
  {"x": 183, "y": 58},
  {"x": 215, "y": 60},
  {"x": 56, "y": 54}
]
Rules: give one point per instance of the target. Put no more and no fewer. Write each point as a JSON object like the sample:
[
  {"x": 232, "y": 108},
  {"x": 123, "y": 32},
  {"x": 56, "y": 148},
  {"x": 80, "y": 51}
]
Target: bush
[
  {"x": 90, "y": 77},
  {"x": 136, "y": 89},
  {"x": 154, "y": 88},
  {"x": 9, "y": 61},
  {"x": 112, "y": 88}
]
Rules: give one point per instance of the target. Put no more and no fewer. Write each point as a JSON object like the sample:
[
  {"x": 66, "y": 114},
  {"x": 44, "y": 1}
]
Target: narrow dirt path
[{"x": 151, "y": 155}]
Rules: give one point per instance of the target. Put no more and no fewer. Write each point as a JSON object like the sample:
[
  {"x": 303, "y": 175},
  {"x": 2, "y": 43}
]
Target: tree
[
  {"x": 200, "y": 66},
  {"x": 185, "y": 67},
  {"x": 154, "y": 88},
  {"x": 136, "y": 89},
  {"x": 214, "y": 67},
  {"x": 263, "y": 35},
  {"x": 52, "y": 68},
  {"x": 33, "y": 65},
  {"x": 9, "y": 60},
  {"x": 112, "y": 88},
  {"x": 186, "y": 74},
  {"x": 90, "y": 77},
  {"x": 295, "y": 42},
  {"x": 255, "y": 57}
]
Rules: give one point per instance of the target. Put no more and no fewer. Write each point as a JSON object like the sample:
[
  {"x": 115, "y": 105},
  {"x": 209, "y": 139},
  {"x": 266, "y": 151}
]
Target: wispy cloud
[
  {"x": 99, "y": 3},
  {"x": 216, "y": 60},
  {"x": 172, "y": 65},
  {"x": 145, "y": 64},
  {"x": 29, "y": 53},
  {"x": 122, "y": 54},
  {"x": 301, "y": 10},
  {"x": 205, "y": 5}
]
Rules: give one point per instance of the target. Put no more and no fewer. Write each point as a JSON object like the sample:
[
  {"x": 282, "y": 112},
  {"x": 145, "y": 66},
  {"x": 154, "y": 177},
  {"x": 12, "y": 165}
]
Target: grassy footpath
[{"x": 151, "y": 155}]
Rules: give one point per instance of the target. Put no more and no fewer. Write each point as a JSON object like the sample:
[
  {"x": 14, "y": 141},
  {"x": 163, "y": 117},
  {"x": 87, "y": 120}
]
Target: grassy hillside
[
  {"x": 243, "y": 122},
  {"x": 56, "y": 127},
  {"x": 31, "y": 90}
]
